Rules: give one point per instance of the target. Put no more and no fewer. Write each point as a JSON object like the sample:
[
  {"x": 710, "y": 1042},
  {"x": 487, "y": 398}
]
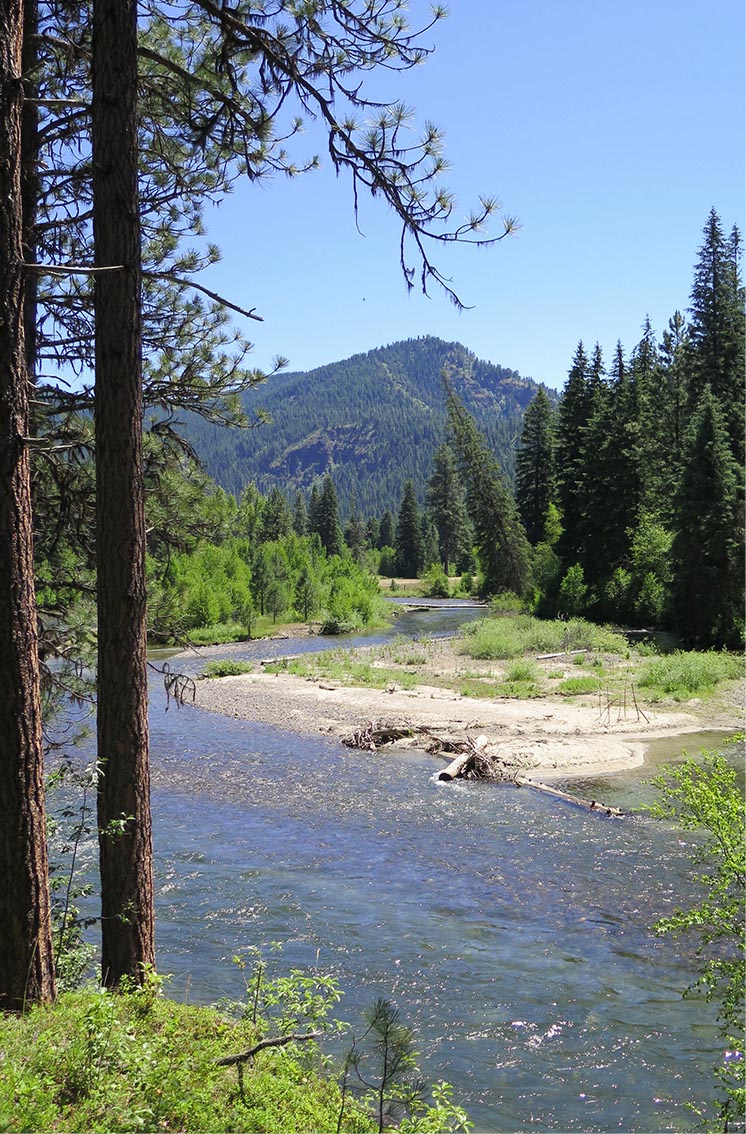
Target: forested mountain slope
[{"x": 373, "y": 421}]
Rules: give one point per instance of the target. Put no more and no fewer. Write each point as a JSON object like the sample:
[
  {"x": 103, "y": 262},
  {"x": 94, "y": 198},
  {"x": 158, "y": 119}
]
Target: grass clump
[
  {"x": 683, "y": 675},
  {"x": 514, "y": 636},
  {"x": 227, "y": 668},
  {"x": 574, "y": 686}
]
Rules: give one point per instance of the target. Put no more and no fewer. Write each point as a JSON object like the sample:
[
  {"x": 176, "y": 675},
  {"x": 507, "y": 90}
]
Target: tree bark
[
  {"x": 26, "y": 953},
  {"x": 125, "y": 836}
]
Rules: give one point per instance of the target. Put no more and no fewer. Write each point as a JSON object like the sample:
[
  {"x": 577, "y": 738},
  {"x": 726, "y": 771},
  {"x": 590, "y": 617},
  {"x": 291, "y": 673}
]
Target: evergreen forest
[
  {"x": 156, "y": 489},
  {"x": 373, "y": 421}
]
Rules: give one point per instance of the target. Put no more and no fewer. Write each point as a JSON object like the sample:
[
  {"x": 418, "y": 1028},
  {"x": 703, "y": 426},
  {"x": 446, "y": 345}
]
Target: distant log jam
[{"x": 473, "y": 758}]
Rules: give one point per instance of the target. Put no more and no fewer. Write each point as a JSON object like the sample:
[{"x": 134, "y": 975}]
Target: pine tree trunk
[
  {"x": 26, "y": 955},
  {"x": 125, "y": 836}
]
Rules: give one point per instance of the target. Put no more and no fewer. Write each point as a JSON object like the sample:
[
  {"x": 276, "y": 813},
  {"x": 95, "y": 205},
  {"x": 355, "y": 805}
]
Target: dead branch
[
  {"x": 272, "y": 1041},
  {"x": 177, "y": 685}
]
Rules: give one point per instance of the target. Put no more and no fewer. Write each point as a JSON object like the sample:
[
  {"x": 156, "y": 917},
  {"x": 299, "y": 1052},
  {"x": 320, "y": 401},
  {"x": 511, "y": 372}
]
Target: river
[{"x": 512, "y": 932}]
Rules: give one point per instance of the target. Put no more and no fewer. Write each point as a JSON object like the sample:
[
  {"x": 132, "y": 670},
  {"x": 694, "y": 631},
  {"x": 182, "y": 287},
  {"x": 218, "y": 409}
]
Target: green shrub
[
  {"x": 227, "y": 668},
  {"x": 507, "y": 603},
  {"x": 573, "y": 686},
  {"x": 99, "y": 1062},
  {"x": 525, "y": 670},
  {"x": 687, "y": 674},
  {"x": 510, "y": 637},
  {"x": 435, "y": 582}
]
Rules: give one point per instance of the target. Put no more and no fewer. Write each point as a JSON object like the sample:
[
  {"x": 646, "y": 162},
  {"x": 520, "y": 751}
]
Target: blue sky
[{"x": 608, "y": 127}]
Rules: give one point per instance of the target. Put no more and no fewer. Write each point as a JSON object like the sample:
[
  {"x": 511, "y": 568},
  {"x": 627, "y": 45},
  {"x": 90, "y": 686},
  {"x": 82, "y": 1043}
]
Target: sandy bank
[{"x": 551, "y": 736}]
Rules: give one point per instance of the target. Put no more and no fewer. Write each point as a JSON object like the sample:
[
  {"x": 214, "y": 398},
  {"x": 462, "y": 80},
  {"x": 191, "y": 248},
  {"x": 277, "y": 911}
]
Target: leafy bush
[
  {"x": 102, "y": 1062},
  {"x": 705, "y": 796},
  {"x": 573, "y": 592},
  {"x": 525, "y": 670},
  {"x": 227, "y": 668},
  {"x": 217, "y": 634},
  {"x": 435, "y": 582},
  {"x": 507, "y": 603},
  {"x": 686, "y": 674}
]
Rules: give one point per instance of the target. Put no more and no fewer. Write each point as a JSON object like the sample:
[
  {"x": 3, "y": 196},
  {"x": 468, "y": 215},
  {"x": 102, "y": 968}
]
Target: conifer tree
[
  {"x": 300, "y": 514},
  {"x": 408, "y": 538},
  {"x": 386, "y": 531},
  {"x": 572, "y": 418},
  {"x": 325, "y": 519},
  {"x": 502, "y": 547},
  {"x": 277, "y": 518},
  {"x": 717, "y": 334},
  {"x": 446, "y": 507},
  {"x": 535, "y": 472},
  {"x": 26, "y": 954},
  {"x": 708, "y": 581}
]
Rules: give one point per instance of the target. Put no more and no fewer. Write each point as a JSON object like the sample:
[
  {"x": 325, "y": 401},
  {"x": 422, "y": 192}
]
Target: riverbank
[{"x": 550, "y": 735}]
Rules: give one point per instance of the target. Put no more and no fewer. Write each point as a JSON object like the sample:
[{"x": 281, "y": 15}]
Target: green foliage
[
  {"x": 227, "y": 668},
  {"x": 382, "y": 1065},
  {"x": 502, "y": 548},
  {"x": 535, "y": 471},
  {"x": 408, "y": 540},
  {"x": 575, "y": 686},
  {"x": 435, "y": 582},
  {"x": 511, "y": 637},
  {"x": 683, "y": 675},
  {"x": 222, "y": 593},
  {"x": 446, "y": 507},
  {"x": 394, "y": 392},
  {"x": 704, "y": 796},
  {"x": 525, "y": 670},
  {"x": 70, "y": 796},
  {"x": 708, "y": 577},
  {"x": 102, "y": 1062},
  {"x": 573, "y": 592}
]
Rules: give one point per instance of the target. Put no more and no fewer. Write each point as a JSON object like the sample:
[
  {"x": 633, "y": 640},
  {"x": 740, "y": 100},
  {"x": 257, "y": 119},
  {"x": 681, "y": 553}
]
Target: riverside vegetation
[
  {"x": 136, "y": 1060},
  {"x": 584, "y": 659}
]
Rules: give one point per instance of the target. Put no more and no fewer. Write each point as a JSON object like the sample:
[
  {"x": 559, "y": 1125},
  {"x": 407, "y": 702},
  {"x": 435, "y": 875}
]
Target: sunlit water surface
[{"x": 512, "y": 931}]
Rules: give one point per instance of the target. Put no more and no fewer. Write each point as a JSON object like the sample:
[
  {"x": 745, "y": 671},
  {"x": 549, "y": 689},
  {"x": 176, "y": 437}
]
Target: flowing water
[{"x": 512, "y": 931}]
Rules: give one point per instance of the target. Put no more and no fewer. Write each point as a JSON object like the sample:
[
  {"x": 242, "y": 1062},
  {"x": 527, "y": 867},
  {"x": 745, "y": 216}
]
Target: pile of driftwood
[{"x": 473, "y": 758}]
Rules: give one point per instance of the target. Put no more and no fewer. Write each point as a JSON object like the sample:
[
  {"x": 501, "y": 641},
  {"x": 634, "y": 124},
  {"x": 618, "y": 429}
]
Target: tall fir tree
[
  {"x": 574, "y": 412},
  {"x": 717, "y": 333},
  {"x": 324, "y": 518},
  {"x": 408, "y": 537},
  {"x": 535, "y": 470},
  {"x": 502, "y": 547},
  {"x": 661, "y": 396},
  {"x": 386, "y": 530},
  {"x": 446, "y": 507},
  {"x": 708, "y": 577}
]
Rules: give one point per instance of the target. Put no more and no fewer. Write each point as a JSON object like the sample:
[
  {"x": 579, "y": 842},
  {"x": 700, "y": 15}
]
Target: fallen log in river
[{"x": 474, "y": 759}]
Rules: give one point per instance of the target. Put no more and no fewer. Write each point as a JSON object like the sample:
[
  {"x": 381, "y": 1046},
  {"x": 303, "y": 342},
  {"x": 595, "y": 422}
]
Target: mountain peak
[{"x": 372, "y": 420}]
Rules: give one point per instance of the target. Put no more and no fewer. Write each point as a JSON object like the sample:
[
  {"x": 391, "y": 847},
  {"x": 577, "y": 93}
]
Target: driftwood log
[
  {"x": 590, "y": 804},
  {"x": 474, "y": 758}
]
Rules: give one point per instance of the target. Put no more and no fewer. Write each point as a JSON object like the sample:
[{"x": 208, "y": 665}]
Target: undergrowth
[
  {"x": 680, "y": 676},
  {"x": 134, "y": 1060},
  {"x": 227, "y": 668},
  {"x": 490, "y": 639}
]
